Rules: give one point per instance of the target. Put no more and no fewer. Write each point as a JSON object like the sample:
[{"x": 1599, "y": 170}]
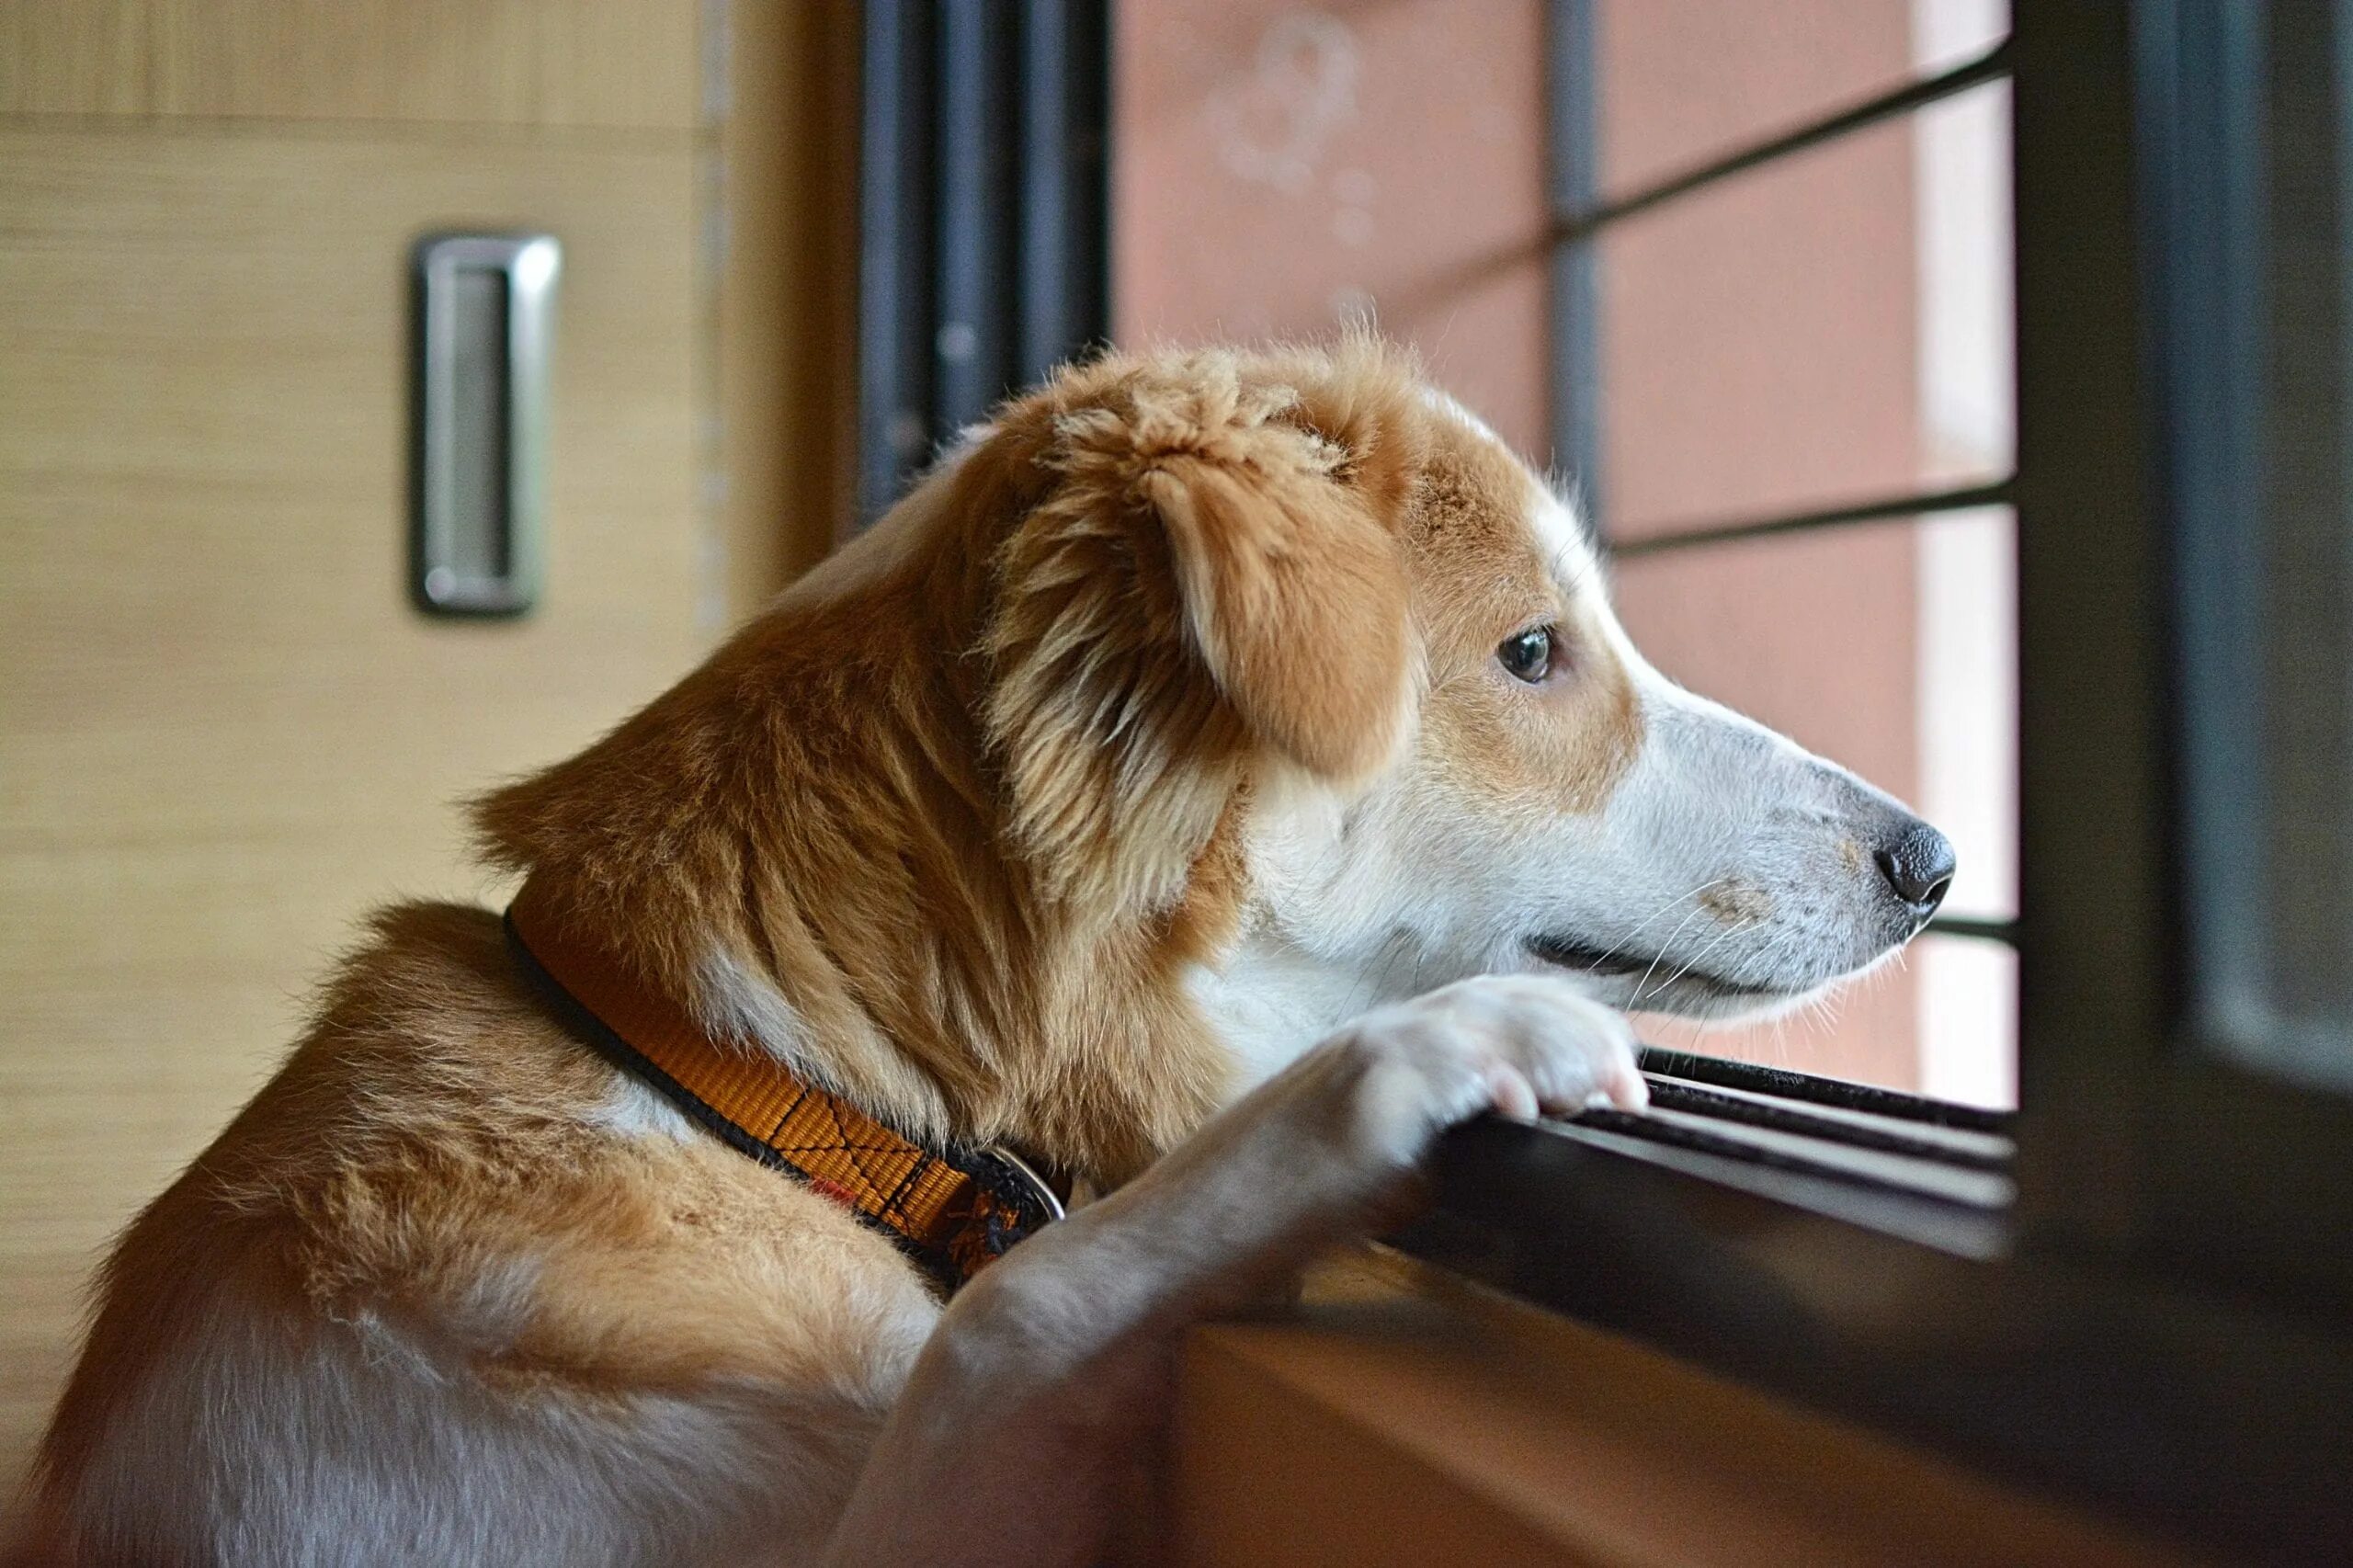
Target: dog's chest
[{"x": 1269, "y": 1001}]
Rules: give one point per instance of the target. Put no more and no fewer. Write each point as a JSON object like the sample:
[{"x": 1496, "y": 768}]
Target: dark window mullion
[
  {"x": 1064, "y": 71},
  {"x": 971, "y": 348},
  {"x": 1990, "y": 66},
  {"x": 895, "y": 326},
  {"x": 1996, "y": 492},
  {"x": 1573, "y": 107}
]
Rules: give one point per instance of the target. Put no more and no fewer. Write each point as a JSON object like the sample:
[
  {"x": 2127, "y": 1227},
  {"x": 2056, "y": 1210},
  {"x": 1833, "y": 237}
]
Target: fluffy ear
[
  {"x": 1206, "y": 572},
  {"x": 1295, "y": 595}
]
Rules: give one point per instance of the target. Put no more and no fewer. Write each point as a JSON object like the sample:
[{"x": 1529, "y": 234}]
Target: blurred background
[
  {"x": 799, "y": 245},
  {"x": 1827, "y": 328}
]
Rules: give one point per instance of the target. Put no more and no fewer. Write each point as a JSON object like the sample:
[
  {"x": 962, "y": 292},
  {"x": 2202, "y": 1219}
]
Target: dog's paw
[{"x": 1518, "y": 1044}]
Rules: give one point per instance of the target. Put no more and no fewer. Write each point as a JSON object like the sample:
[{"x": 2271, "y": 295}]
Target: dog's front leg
[{"x": 1031, "y": 1393}]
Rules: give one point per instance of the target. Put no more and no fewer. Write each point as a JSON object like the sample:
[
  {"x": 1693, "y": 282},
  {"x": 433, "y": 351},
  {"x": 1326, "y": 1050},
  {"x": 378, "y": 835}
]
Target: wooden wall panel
[
  {"x": 616, "y": 63},
  {"x": 72, "y": 57},
  {"x": 786, "y": 291},
  {"x": 223, "y": 732}
]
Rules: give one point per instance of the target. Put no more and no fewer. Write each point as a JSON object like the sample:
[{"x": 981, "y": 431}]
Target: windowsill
[
  {"x": 2202, "y": 1418},
  {"x": 1971, "y": 1231},
  {"x": 1933, "y": 1173},
  {"x": 1402, "y": 1416}
]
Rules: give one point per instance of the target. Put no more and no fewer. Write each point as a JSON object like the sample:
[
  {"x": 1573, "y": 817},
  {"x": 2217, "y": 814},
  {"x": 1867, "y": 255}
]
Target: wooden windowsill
[{"x": 1401, "y": 1415}]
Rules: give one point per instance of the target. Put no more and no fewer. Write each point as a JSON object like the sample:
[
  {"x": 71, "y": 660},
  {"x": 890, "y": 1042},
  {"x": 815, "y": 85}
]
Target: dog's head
[
  {"x": 1314, "y": 573},
  {"x": 1244, "y": 691}
]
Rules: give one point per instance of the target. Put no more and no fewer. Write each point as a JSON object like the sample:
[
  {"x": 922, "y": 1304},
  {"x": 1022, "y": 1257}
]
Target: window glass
[{"x": 2265, "y": 579}]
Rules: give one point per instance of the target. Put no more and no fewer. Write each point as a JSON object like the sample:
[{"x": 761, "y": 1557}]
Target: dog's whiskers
[
  {"x": 1722, "y": 937},
  {"x": 1648, "y": 920},
  {"x": 1696, "y": 912}
]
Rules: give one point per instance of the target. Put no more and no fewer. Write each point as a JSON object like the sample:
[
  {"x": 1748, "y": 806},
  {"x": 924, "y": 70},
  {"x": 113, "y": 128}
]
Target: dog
[{"x": 1222, "y": 773}]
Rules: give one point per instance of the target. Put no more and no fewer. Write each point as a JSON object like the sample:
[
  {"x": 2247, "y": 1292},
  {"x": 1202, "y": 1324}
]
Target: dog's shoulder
[
  {"x": 445, "y": 1222},
  {"x": 439, "y": 1152}
]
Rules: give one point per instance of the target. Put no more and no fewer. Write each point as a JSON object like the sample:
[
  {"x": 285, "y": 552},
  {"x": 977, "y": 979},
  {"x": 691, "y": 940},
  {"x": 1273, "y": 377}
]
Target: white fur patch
[
  {"x": 735, "y": 1003},
  {"x": 362, "y": 1441},
  {"x": 1560, "y": 536},
  {"x": 1269, "y": 1001},
  {"x": 1445, "y": 403},
  {"x": 633, "y": 1110}
]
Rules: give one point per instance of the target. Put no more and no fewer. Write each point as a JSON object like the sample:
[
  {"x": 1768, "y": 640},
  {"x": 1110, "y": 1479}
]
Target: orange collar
[{"x": 953, "y": 1210}]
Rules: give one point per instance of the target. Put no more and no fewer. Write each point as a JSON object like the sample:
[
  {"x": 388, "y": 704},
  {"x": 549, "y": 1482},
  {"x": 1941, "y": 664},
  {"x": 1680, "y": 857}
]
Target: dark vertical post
[
  {"x": 1573, "y": 134},
  {"x": 985, "y": 201},
  {"x": 971, "y": 348},
  {"x": 1064, "y": 241},
  {"x": 895, "y": 263},
  {"x": 2095, "y": 909}
]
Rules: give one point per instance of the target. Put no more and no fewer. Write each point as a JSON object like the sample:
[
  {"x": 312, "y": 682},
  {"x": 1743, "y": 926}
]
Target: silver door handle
[{"x": 485, "y": 321}]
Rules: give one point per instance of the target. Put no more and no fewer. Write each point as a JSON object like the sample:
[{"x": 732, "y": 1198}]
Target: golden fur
[
  {"x": 971, "y": 803},
  {"x": 1002, "y": 809}
]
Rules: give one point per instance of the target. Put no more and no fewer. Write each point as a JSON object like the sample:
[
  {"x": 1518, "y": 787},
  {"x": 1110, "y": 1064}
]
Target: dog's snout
[{"x": 1919, "y": 864}]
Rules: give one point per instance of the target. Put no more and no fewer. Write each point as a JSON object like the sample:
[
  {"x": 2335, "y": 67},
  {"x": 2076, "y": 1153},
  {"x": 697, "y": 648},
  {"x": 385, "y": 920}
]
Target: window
[
  {"x": 1567, "y": 205},
  {"x": 2264, "y": 575},
  {"x": 2186, "y": 658},
  {"x": 2160, "y": 1323},
  {"x": 981, "y": 215},
  {"x": 1532, "y": 194}
]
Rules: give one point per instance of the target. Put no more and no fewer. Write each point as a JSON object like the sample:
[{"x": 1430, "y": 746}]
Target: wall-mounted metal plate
[{"x": 484, "y": 323}]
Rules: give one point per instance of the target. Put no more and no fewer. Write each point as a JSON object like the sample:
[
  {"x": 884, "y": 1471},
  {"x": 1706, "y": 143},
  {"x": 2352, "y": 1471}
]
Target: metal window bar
[
  {"x": 983, "y": 203},
  {"x": 1582, "y": 223},
  {"x": 1580, "y": 216},
  {"x": 896, "y": 136},
  {"x": 1917, "y": 504},
  {"x": 1573, "y": 110}
]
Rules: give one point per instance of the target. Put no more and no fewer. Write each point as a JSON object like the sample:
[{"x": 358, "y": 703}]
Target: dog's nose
[{"x": 1919, "y": 864}]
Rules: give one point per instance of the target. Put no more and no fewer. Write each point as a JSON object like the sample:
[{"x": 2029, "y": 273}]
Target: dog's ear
[
  {"x": 1294, "y": 594},
  {"x": 1211, "y": 571}
]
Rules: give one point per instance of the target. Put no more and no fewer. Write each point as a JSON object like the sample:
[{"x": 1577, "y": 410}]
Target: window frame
[
  {"x": 2143, "y": 1139},
  {"x": 2156, "y": 1332}
]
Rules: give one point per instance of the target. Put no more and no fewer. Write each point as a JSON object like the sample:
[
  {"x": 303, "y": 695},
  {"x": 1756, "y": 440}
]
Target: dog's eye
[{"x": 1528, "y": 655}]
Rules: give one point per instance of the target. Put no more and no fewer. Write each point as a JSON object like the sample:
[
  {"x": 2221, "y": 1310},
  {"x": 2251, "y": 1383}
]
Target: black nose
[{"x": 1918, "y": 866}]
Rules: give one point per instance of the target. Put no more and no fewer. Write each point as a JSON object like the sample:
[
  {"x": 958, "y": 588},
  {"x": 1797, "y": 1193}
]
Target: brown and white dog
[{"x": 1222, "y": 774}]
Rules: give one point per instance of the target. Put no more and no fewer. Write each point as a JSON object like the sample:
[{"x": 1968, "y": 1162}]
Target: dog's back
[{"x": 442, "y": 1201}]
